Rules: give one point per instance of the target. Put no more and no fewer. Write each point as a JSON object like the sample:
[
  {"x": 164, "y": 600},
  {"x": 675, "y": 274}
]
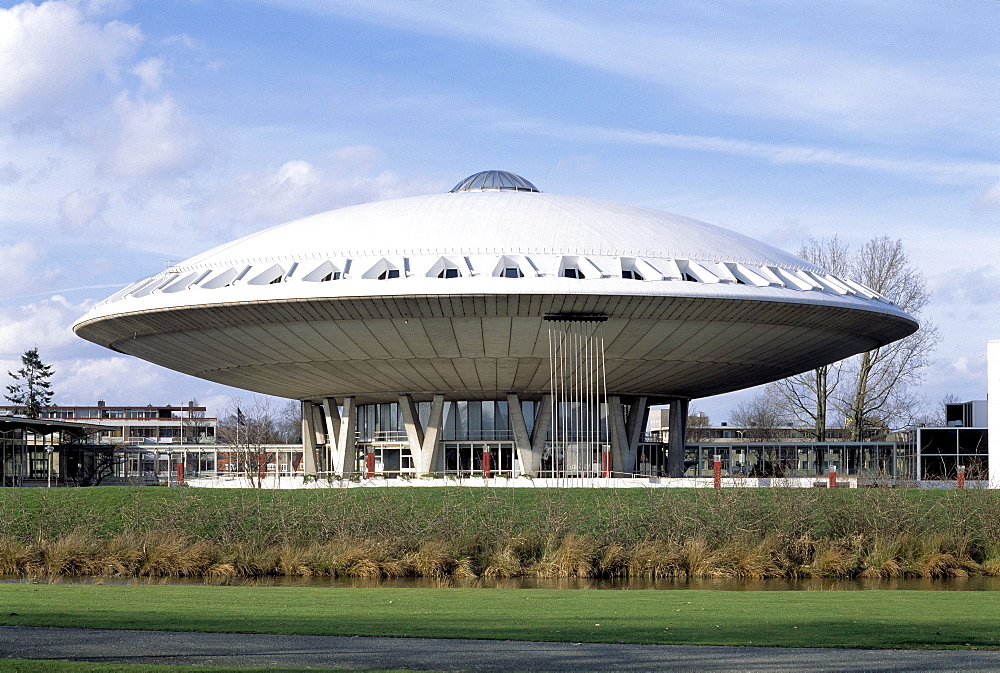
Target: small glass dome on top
[{"x": 495, "y": 181}]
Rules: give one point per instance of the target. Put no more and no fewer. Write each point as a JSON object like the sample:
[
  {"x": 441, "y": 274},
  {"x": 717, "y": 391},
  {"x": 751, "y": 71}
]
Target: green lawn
[
  {"x": 265, "y": 516},
  {"x": 877, "y": 619}
]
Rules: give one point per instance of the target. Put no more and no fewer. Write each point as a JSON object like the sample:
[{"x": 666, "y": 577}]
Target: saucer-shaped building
[{"x": 426, "y": 330}]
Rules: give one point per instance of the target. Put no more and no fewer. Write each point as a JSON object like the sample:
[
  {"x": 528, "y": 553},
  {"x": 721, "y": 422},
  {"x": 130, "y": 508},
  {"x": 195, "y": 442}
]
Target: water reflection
[{"x": 634, "y": 584}]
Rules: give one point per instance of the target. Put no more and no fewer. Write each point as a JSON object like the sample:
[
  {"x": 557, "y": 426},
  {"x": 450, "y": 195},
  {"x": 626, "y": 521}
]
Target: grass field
[
  {"x": 877, "y": 619},
  {"x": 500, "y": 533}
]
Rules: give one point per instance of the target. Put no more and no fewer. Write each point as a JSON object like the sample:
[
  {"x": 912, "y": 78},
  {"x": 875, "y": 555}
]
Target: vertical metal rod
[
  {"x": 552, "y": 386},
  {"x": 578, "y": 399}
]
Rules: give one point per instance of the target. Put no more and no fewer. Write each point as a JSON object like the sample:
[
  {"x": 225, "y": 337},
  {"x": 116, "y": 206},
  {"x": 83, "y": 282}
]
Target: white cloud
[
  {"x": 944, "y": 171},
  {"x": 49, "y": 52},
  {"x": 155, "y": 137},
  {"x": 83, "y": 210},
  {"x": 979, "y": 286},
  {"x": 150, "y": 72},
  {"x": 21, "y": 268},
  {"x": 182, "y": 39},
  {"x": 293, "y": 178},
  {"x": 349, "y": 175},
  {"x": 45, "y": 324},
  {"x": 116, "y": 379},
  {"x": 101, "y": 7},
  {"x": 9, "y": 173},
  {"x": 755, "y": 71},
  {"x": 991, "y": 197}
]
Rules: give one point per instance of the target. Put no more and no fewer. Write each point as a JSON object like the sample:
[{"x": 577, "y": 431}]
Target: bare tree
[
  {"x": 288, "y": 424},
  {"x": 881, "y": 383},
  {"x": 760, "y": 416},
  {"x": 937, "y": 417},
  {"x": 873, "y": 392},
  {"x": 90, "y": 464},
  {"x": 194, "y": 427},
  {"x": 804, "y": 399},
  {"x": 246, "y": 430},
  {"x": 697, "y": 426}
]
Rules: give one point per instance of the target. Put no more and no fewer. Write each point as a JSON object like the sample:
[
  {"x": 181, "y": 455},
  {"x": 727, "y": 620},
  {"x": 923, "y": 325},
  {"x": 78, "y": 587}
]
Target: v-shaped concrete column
[
  {"x": 430, "y": 453},
  {"x": 539, "y": 435},
  {"x": 414, "y": 433},
  {"x": 619, "y": 437},
  {"x": 530, "y": 461},
  {"x": 309, "y": 460},
  {"x": 344, "y": 457},
  {"x": 331, "y": 414},
  {"x": 677, "y": 434},
  {"x": 626, "y": 432},
  {"x": 638, "y": 418}
]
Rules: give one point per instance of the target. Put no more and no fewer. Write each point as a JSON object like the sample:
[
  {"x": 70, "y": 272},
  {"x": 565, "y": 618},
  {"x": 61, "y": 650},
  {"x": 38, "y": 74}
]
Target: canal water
[{"x": 715, "y": 584}]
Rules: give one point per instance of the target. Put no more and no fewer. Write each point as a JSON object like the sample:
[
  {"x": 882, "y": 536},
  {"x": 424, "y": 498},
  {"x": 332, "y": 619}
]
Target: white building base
[
  {"x": 993, "y": 408},
  {"x": 525, "y": 482}
]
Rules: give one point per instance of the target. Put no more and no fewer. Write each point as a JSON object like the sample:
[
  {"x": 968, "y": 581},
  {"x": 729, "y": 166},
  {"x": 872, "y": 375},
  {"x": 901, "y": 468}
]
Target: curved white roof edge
[{"x": 292, "y": 290}]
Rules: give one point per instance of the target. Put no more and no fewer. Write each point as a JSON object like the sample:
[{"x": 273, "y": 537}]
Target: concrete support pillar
[
  {"x": 309, "y": 461},
  {"x": 321, "y": 440},
  {"x": 344, "y": 457},
  {"x": 539, "y": 435},
  {"x": 678, "y": 433},
  {"x": 619, "y": 437},
  {"x": 430, "y": 452},
  {"x": 522, "y": 440},
  {"x": 411, "y": 422},
  {"x": 331, "y": 414},
  {"x": 635, "y": 424}
]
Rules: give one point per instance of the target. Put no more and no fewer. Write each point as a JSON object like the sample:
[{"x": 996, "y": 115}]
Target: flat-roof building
[{"x": 993, "y": 409}]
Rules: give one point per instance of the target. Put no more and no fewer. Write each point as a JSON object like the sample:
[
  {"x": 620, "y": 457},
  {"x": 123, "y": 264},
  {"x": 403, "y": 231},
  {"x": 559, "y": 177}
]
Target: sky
[{"x": 137, "y": 134}]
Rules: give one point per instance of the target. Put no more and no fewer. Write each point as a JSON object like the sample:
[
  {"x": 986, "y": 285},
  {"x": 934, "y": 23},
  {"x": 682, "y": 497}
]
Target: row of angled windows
[{"x": 508, "y": 266}]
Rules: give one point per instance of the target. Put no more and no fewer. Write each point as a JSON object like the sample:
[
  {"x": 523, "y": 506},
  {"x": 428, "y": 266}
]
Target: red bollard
[
  {"x": 717, "y": 471},
  {"x": 486, "y": 463},
  {"x": 606, "y": 463},
  {"x": 370, "y": 464},
  {"x": 833, "y": 476},
  {"x": 961, "y": 476},
  {"x": 180, "y": 472}
]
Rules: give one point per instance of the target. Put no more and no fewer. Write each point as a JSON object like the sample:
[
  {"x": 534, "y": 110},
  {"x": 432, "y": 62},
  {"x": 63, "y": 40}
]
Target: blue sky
[{"x": 132, "y": 134}]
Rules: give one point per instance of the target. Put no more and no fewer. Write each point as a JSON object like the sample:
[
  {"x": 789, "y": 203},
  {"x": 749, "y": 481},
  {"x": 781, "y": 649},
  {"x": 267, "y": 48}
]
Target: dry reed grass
[{"x": 498, "y": 534}]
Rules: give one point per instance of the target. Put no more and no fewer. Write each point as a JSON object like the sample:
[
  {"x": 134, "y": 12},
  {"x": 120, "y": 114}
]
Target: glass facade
[
  {"x": 472, "y": 429},
  {"x": 942, "y": 451},
  {"x": 864, "y": 460}
]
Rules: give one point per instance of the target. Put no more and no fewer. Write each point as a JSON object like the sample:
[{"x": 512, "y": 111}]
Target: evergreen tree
[{"x": 34, "y": 390}]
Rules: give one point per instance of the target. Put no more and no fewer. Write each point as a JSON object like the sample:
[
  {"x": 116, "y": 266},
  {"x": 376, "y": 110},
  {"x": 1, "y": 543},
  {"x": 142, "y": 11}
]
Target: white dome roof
[
  {"x": 500, "y": 222},
  {"x": 481, "y": 237},
  {"x": 468, "y": 281}
]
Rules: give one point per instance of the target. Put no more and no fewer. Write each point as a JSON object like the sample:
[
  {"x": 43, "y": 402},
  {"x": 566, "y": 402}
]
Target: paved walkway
[{"x": 240, "y": 649}]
